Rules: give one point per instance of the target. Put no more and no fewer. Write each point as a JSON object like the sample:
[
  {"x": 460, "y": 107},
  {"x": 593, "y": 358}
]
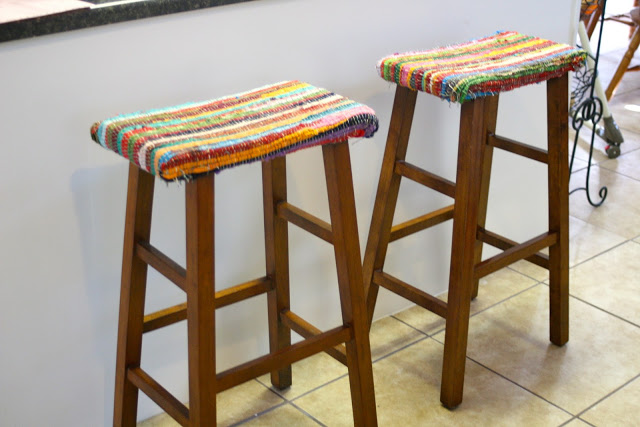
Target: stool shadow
[{"x": 91, "y": 188}]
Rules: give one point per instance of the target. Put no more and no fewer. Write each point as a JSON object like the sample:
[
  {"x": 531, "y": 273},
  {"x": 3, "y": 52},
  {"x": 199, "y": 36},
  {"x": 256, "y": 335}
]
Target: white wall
[{"x": 62, "y": 196}]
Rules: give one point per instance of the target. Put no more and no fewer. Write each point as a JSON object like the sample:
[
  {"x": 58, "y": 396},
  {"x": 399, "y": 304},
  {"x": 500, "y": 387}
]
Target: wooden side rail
[
  {"x": 528, "y": 151},
  {"x": 411, "y": 293},
  {"x": 306, "y": 221},
  {"x": 162, "y": 263},
  {"x": 307, "y": 330},
  {"x": 271, "y": 362},
  {"x": 515, "y": 253},
  {"x": 500, "y": 242},
  {"x": 422, "y": 222},
  {"x": 243, "y": 291},
  {"x": 239, "y": 374},
  {"x": 166, "y": 317},
  {"x": 159, "y": 395},
  {"x": 425, "y": 178},
  {"x": 225, "y": 297}
]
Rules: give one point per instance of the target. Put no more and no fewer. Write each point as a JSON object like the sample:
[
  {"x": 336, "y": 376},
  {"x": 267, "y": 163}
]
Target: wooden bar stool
[
  {"x": 190, "y": 141},
  {"x": 474, "y": 73}
]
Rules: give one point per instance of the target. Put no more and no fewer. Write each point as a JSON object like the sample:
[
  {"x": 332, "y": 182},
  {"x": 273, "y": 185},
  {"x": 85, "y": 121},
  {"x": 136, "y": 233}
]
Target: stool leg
[
  {"x": 558, "y": 181},
  {"x": 201, "y": 301},
  {"x": 274, "y": 181},
  {"x": 387, "y": 195},
  {"x": 471, "y": 155},
  {"x": 134, "y": 280},
  {"x": 624, "y": 63},
  {"x": 491, "y": 116},
  {"x": 347, "y": 253}
]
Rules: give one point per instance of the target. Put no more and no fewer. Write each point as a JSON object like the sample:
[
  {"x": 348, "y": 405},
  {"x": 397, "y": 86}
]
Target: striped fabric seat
[
  {"x": 184, "y": 141},
  {"x": 482, "y": 67}
]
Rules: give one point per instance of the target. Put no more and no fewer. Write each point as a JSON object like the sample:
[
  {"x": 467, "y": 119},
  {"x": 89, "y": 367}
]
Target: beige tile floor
[{"x": 514, "y": 376}]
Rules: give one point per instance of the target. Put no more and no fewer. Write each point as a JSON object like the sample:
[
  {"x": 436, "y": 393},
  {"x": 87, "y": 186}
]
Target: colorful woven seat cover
[
  {"x": 482, "y": 67},
  {"x": 187, "y": 140}
]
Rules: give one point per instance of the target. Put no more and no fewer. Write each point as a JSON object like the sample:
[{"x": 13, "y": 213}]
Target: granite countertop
[{"x": 31, "y": 18}]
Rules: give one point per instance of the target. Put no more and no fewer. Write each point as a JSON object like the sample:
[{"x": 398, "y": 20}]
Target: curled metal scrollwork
[
  {"x": 590, "y": 109},
  {"x": 581, "y": 82},
  {"x": 587, "y": 107}
]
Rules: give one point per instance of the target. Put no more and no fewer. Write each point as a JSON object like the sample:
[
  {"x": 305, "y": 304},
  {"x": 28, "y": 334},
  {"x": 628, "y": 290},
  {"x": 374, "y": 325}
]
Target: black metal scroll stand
[{"x": 589, "y": 109}]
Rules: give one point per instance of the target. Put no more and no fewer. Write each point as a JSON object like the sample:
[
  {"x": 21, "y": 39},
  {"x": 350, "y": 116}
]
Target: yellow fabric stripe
[{"x": 250, "y": 130}]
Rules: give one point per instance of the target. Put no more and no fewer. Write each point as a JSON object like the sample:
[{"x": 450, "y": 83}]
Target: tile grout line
[
  {"x": 307, "y": 414},
  {"x": 600, "y": 165},
  {"x": 568, "y": 421},
  {"x": 285, "y": 402},
  {"x": 575, "y": 417},
  {"x": 524, "y": 388},
  {"x": 338, "y": 377},
  {"x": 530, "y": 391},
  {"x": 407, "y": 324},
  {"x": 597, "y": 163},
  {"x": 272, "y": 390},
  {"x": 601, "y": 253},
  {"x": 347, "y": 374},
  {"x": 292, "y": 400},
  {"x": 632, "y": 150},
  {"x": 578, "y": 170},
  {"x": 525, "y": 274},
  {"x": 493, "y": 305},
  {"x": 400, "y": 349},
  {"x": 620, "y": 173},
  {"x": 585, "y": 260},
  {"x": 605, "y": 311},
  {"x": 513, "y": 382},
  {"x": 590, "y": 259},
  {"x": 607, "y": 396},
  {"x": 318, "y": 387},
  {"x": 538, "y": 282},
  {"x": 258, "y": 414}
]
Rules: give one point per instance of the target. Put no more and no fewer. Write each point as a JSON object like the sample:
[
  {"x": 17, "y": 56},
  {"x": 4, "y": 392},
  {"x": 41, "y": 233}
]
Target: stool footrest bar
[
  {"x": 411, "y": 293},
  {"x": 519, "y": 148},
  {"x": 159, "y": 395},
  {"x": 420, "y": 223},
  {"x": 425, "y": 178},
  {"x": 280, "y": 358},
  {"x": 162, "y": 263},
  {"x": 165, "y": 317},
  {"x": 229, "y": 296},
  {"x": 306, "y": 221},
  {"x": 516, "y": 253},
  {"x": 243, "y": 291},
  {"x": 307, "y": 330},
  {"x": 501, "y": 242}
]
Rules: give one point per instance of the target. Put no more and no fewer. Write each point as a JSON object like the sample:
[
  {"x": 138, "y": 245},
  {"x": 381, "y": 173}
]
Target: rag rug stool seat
[
  {"x": 482, "y": 67},
  {"x": 473, "y": 74},
  {"x": 189, "y": 142}
]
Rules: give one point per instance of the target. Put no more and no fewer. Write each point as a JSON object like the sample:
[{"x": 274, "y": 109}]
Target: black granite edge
[{"x": 85, "y": 18}]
